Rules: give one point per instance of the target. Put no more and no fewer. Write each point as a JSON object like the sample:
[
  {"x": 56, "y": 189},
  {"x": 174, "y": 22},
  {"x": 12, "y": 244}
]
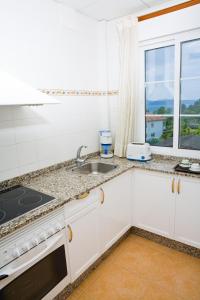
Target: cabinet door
[
  {"x": 153, "y": 197},
  {"x": 83, "y": 241},
  {"x": 187, "y": 213},
  {"x": 115, "y": 212}
]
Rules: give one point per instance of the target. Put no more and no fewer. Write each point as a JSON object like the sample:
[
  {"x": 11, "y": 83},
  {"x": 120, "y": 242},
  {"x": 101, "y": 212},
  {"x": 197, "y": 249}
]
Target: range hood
[{"x": 14, "y": 92}]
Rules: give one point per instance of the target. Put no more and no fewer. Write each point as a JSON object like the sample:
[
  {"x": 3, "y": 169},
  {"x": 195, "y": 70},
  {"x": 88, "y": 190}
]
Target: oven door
[{"x": 41, "y": 273}]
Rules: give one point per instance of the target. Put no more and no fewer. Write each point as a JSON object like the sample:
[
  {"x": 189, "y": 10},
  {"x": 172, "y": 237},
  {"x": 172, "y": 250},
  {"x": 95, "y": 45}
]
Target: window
[
  {"x": 159, "y": 95},
  {"x": 189, "y": 136},
  {"x": 174, "y": 117}
]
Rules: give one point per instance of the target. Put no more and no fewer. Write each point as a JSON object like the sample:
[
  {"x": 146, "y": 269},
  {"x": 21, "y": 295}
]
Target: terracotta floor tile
[
  {"x": 139, "y": 269},
  {"x": 154, "y": 291},
  {"x": 72, "y": 297},
  {"x": 116, "y": 283}
]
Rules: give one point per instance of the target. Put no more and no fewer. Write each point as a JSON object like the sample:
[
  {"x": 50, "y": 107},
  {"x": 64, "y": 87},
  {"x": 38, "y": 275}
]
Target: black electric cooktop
[{"x": 18, "y": 200}]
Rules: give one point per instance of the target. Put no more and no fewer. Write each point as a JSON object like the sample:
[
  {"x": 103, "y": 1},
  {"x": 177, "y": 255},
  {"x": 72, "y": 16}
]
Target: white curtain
[{"x": 128, "y": 51}]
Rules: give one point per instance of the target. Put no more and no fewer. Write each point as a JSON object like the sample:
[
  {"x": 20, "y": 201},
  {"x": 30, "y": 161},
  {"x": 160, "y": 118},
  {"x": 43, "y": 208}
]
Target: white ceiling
[{"x": 110, "y": 9}]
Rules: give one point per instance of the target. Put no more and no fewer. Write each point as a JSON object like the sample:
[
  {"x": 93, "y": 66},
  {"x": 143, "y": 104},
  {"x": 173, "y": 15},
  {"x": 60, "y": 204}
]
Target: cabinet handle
[
  {"x": 173, "y": 184},
  {"x": 179, "y": 186},
  {"x": 83, "y": 195},
  {"x": 102, "y": 195},
  {"x": 70, "y": 233}
]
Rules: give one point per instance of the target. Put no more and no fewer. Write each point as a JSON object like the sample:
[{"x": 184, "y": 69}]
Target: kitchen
[{"x": 100, "y": 149}]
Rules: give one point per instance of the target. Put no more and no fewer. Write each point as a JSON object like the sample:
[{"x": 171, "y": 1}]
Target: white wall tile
[
  {"x": 8, "y": 157},
  {"x": 28, "y": 168},
  {"x": 27, "y": 130},
  {"x": 7, "y": 174},
  {"x": 23, "y": 112},
  {"x": 5, "y": 114},
  {"x": 27, "y": 153},
  {"x": 7, "y": 133}
]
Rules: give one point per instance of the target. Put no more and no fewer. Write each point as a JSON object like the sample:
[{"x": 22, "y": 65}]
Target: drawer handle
[
  {"x": 83, "y": 195},
  {"x": 173, "y": 184},
  {"x": 70, "y": 233},
  {"x": 102, "y": 195},
  {"x": 179, "y": 186}
]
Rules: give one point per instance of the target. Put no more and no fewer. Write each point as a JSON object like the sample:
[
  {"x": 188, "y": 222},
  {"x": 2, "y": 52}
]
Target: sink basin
[{"x": 95, "y": 168}]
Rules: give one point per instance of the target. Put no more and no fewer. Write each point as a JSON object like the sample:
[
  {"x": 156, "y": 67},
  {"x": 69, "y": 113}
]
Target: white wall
[
  {"x": 175, "y": 22},
  {"x": 49, "y": 46},
  {"x": 113, "y": 72},
  {"x": 103, "y": 74}
]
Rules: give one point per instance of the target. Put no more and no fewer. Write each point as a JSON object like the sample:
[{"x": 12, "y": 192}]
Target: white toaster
[{"x": 140, "y": 152}]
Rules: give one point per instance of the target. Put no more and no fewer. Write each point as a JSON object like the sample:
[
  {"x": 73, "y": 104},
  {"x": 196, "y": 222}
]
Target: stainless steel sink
[{"x": 95, "y": 168}]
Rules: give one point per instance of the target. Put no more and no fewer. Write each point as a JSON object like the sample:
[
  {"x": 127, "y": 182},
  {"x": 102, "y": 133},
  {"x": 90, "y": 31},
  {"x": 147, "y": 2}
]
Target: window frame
[{"x": 172, "y": 40}]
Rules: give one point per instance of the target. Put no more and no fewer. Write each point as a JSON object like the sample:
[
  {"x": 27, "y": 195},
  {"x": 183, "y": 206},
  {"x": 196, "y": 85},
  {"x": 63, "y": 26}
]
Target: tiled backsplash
[{"x": 32, "y": 138}]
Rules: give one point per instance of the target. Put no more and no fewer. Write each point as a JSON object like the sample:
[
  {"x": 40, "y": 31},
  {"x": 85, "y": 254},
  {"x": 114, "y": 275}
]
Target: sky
[{"x": 160, "y": 67}]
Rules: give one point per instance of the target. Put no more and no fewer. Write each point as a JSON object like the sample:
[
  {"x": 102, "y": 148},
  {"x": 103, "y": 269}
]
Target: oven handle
[{"x": 10, "y": 271}]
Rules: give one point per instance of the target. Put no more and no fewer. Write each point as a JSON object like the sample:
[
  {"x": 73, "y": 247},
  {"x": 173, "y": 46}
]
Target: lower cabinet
[
  {"x": 161, "y": 203},
  {"x": 115, "y": 209},
  {"x": 93, "y": 224},
  {"x": 167, "y": 205},
  {"x": 153, "y": 199},
  {"x": 187, "y": 211},
  {"x": 83, "y": 240}
]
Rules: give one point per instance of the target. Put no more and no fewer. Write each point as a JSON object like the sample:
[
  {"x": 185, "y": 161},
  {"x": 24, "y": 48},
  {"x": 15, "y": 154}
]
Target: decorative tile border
[
  {"x": 63, "y": 92},
  {"x": 166, "y": 242}
]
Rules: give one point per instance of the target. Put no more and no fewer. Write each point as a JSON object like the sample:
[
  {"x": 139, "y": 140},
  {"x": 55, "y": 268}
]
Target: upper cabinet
[{"x": 15, "y": 92}]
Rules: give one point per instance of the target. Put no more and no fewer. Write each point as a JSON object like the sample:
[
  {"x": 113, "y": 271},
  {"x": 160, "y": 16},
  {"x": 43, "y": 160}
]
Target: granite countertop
[{"x": 65, "y": 185}]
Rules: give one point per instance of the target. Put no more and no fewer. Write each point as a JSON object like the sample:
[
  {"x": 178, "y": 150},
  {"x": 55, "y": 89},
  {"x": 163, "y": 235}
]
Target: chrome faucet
[{"x": 79, "y": 160}]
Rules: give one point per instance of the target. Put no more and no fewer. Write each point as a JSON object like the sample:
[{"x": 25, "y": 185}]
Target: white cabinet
[
  {"x": 153, "y": 202},
  {"x": 187, "y": 211},
  {"x": 164, "y": 204},
  {"x": 83, "y": 237},
  {"x": 167, "y": 205},
  {"x": 96, "y": 222},
  {"x": 115, "y": 209}
]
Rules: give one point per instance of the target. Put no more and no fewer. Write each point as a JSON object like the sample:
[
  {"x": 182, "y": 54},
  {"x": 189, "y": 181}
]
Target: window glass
[
  {"x": 190, "y": 59},
  {"x": 159, "y": 64},
  {"x": 189, "y": 133},
  {"x": 160, "y": 98},
  {"x": 190, "y": 96},
  {"x": 189, "y": 122},
  {"x": 161, "y": 133}
]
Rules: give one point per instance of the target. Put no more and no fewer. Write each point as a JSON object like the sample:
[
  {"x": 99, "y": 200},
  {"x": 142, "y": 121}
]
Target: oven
[{"x": 40, "y": 273}]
